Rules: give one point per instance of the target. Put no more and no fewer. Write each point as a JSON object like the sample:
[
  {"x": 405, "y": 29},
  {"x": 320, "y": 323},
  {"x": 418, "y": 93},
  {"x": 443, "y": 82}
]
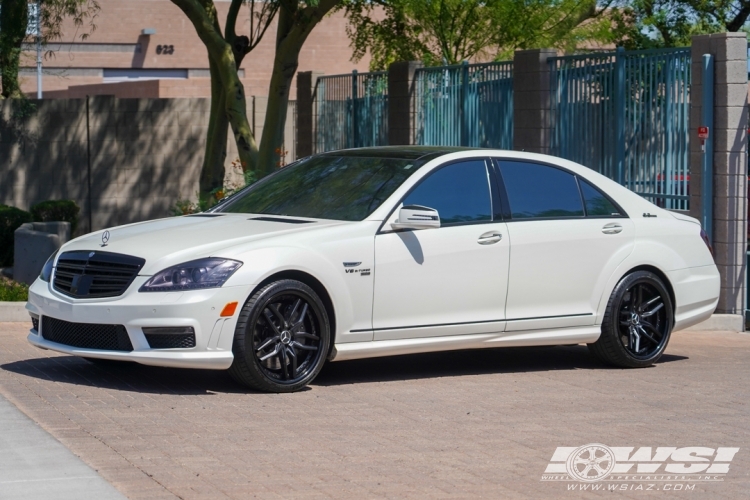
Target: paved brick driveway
[{"x": 449, "y": 425}]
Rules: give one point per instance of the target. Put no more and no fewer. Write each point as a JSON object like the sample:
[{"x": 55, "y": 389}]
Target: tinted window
[
  {"x": 540, "y": 191},
  {"x": 325, "y": 187},
  {"x": 596, "y": 203},
  {"x": 459, "y": 192}
]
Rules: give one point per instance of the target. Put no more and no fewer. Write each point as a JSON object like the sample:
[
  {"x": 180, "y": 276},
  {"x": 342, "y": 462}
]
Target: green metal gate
[
  {"x": 625, "y": 115},
  {"x": 350, "y": 111},
  {"x": 464, "y": 105}
]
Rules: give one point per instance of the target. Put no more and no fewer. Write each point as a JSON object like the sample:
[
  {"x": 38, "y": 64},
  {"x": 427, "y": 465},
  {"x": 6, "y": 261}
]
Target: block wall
[{"x": 729, "y": 158}]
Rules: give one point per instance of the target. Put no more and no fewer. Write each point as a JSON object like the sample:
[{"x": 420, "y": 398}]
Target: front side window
[
  {"x": 460, "y": 192},
  {"x": 540, "y": 192},
  {"x": 325, "y": 187}
]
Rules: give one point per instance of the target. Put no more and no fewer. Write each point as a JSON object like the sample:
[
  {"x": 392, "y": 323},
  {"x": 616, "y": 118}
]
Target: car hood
[{"x": 178, "y": 239}]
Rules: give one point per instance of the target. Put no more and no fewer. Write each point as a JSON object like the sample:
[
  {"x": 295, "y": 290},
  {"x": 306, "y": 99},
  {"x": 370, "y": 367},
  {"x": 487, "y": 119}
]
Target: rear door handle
[
  {"x": 489, "y": 238},
  {"x": 612, "y": 228}
]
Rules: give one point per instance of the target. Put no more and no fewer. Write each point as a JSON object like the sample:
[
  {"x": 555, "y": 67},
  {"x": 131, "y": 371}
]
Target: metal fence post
[
  {"x": 669, "y": 176},
  {"x": 620, "y": 114},
  {"x": 464, "y": 119},
  {"x": 306, "y": 126},
  {"x": 355, "y": 111},
  {"x": 707, "y": 166}
]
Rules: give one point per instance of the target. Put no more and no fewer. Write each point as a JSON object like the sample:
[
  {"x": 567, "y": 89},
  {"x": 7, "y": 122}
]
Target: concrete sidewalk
[{"x": 35, "y": 465}]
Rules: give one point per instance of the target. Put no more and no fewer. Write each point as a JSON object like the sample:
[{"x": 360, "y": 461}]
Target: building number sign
[{"x": 165, "y": 50}]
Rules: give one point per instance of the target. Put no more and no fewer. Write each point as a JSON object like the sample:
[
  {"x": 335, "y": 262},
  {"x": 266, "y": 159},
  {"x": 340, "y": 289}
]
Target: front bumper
[{"x": 199, "y": 309}]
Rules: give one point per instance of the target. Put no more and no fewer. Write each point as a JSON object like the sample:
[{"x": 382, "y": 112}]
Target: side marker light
[{"x": 228, "y": 310}]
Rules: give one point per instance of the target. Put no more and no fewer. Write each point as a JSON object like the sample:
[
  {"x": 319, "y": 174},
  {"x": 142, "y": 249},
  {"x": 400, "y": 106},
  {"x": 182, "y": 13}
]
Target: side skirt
[{"x": 359, "y": 350}]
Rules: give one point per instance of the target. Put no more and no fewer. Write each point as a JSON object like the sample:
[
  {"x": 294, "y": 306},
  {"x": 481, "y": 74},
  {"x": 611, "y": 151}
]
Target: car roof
[{"x": 398, "y": 152}]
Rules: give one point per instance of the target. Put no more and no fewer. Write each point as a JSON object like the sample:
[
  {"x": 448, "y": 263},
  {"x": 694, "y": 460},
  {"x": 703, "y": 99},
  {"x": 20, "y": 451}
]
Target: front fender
[{"x": 351, "y": 295}]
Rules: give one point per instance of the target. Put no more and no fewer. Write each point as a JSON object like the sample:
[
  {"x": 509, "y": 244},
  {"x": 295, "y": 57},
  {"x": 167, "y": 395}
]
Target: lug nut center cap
[
  {"x": 286, "y": 337},
  {"x": 635, "y": 320}
]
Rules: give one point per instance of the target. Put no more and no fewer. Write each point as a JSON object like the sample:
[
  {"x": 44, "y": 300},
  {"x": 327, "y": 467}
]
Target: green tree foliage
[
  {"x": 14, "y": 15},
  {"x": 449, "y": 31},
  {"x": 645, "y": 24},
  {"x": 14, "y": 18},
  {"x": 731, "y": 15}
]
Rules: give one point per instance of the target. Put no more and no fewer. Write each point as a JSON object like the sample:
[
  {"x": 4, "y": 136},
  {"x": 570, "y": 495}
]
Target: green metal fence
[
  {"x": 464, "y": 105},
  {"x": 350, "y": 111},
  {"x": 625, "y": 114}
]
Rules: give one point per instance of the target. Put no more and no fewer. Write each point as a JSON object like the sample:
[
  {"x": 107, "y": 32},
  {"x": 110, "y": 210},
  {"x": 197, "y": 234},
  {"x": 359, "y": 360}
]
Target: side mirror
[{"x": 416, "y": 217}]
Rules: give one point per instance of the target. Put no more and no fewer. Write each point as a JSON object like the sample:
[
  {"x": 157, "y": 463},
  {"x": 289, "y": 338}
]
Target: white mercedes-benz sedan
[{"x": 378, "y": 252}]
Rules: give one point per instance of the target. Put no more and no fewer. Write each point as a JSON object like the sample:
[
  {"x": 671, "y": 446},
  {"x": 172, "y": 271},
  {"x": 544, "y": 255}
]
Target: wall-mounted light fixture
[{"x": 148, "y": 31}]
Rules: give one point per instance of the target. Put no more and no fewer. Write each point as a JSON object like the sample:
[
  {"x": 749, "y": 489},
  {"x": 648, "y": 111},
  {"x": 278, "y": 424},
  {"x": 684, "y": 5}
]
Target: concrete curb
[
  {"x": 720, "y": 322},
  {"x": 13, "y": 312}
]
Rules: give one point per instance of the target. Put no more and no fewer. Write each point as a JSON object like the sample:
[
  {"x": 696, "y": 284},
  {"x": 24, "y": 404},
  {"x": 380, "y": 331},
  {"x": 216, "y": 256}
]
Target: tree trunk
[
  {"x": 235, "y": 107},
  {"x": 13, "y": 22},
  {"x": 272, "y": 141},
  {"x": 212, "y": 172},
  {"x": 289, "y": 40},
  {"x": 295, "y": 24},
  {"x": 204, "y": 18}
]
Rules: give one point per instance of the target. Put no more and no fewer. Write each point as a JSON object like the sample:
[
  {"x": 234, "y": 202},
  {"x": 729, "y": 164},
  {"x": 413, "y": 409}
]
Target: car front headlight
[
  {"x": 46, "y": 273},
  {"x": 194, "y": 275}
]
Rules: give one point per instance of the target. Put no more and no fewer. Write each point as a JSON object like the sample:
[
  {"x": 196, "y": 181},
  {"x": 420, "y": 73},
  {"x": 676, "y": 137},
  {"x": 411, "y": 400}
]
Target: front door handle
[
  {"x": 612, "y": 228},
  {"x": 489, "y": 238}
]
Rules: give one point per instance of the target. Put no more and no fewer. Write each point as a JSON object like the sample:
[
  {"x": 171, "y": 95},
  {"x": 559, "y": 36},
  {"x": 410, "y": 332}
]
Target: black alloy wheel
[
  {"x": 637, "y": 323},
  {"x": 282, "y": 338}
]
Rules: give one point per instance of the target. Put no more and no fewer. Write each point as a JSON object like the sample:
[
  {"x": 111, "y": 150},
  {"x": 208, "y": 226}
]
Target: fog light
[
  {"x": 168, "y": 330},
  {"x": 170, "y": 337}
]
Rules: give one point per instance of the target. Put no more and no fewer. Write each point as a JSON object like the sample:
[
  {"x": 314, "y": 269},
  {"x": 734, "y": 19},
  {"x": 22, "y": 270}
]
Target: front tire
[
  {"x": 637, "y": 323},
  {"x": 282, "y": 338}
]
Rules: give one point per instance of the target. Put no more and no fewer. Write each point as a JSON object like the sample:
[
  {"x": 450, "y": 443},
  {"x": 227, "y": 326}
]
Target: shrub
[
  {"x": 184, "y": 207},
  {"x": 187, "y": 207},
  {"x": 11, "y": 219},
  {"x": 57, "y": 211},
  {"x": 11, "y": 291}
]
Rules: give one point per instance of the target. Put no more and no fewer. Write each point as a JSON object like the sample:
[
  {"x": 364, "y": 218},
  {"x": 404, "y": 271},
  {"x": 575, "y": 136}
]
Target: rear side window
[
  {"x": 597, "y": 205},
  {"x": 460, "y": 192},
  {"x": 540, "y": 191}
]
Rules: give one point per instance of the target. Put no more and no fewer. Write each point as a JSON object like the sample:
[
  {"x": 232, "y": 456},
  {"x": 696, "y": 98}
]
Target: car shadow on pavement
[
  {"x": 126, "y": 376},
  {"x": 158, "y": 380},
  {"x": 467, "y": 362}
]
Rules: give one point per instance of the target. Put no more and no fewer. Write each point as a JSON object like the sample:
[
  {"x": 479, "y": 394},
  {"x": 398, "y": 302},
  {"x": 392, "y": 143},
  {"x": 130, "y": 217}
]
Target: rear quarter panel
[{"x": 675, "y": 248}]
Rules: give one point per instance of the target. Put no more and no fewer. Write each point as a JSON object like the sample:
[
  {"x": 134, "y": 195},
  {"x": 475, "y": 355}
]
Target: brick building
[{"x": 121, "y": 58}]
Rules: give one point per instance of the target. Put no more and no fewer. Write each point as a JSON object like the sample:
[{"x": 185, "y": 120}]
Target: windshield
[{"x": 324, "y": 187}]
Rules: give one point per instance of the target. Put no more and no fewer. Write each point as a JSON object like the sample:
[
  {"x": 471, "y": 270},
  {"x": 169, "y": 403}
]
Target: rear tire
[
  {"x": 637, "y": 323},
  {"x": 282, "y": 338}
]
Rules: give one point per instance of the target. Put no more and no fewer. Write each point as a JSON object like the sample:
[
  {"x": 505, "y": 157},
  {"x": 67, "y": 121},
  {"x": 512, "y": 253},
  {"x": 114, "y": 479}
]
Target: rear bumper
[{"x": 696, "y": 291}]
